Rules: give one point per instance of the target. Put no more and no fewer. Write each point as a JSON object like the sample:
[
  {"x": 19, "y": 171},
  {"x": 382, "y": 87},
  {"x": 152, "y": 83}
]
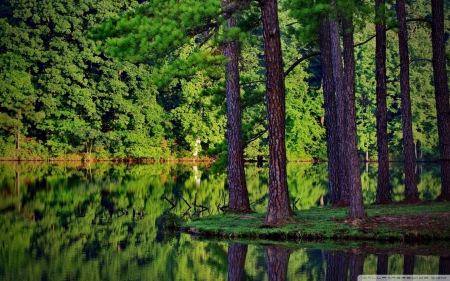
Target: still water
[{"x": 73, "y": 221}]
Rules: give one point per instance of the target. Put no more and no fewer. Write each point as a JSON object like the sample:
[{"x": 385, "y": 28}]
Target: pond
[{"x": 103, "y": 221}]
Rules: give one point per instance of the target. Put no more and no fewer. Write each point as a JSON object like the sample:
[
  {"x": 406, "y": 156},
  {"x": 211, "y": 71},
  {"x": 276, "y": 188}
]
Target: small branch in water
[{"x": 170, "y": 202}]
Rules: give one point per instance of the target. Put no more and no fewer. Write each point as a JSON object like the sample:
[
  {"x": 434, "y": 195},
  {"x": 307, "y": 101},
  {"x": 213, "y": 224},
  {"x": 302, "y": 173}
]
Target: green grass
[{"x": 321, "y": 223}]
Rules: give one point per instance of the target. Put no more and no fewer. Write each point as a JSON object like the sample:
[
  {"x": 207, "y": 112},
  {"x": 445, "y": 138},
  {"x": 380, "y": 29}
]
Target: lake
[{"x": 103, "y": 221}]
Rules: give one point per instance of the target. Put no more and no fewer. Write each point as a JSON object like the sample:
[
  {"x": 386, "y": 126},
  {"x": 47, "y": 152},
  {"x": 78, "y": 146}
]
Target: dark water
[{"x": 69, "y": 221}]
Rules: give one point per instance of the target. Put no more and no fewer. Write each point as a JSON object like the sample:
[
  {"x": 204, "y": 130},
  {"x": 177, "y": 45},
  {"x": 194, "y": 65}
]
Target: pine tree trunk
[
  {"x": 330, "y": 112},
  {"x": 408, "y": 264},
  {"x": 411, "y": 192},
  {"x": 238, "y": 193},
  {"x": 277, "y": 262},
  {"x": 441, "y": 94},
  {"x": 337, "y": 266},
  {"x": 354, "y": 174},
  {"x": 278, "y": 209},
  {"x": 356, "y": 266},
  {"x": 344, "y": 199},
  {"x": 383, "y": 192},
  {"x": 382, "y": 264},
  {"x": 444, "y": 265},
  {"x": 236, "y": 261}
]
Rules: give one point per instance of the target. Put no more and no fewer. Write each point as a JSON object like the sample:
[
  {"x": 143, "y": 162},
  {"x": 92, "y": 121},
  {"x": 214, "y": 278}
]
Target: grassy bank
[{"x": 395, "y": 222}]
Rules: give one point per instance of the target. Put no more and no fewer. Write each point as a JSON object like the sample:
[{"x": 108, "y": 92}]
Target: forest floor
[{"x": 420, "y": 222}]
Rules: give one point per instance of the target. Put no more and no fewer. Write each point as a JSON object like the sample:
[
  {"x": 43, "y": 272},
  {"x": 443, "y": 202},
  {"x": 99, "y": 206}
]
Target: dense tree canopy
[{"x": 65, "y": 95}]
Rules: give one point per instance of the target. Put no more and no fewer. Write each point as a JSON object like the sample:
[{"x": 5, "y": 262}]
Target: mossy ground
[{"x": 394, "y": 222}]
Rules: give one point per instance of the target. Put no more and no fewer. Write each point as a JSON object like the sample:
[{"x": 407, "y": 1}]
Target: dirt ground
[{"x": 433, "y": 222}]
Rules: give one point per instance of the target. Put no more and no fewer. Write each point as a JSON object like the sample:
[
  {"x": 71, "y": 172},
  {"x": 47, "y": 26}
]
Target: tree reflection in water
[
  {"x": 408, "y": 264},
  {"x": 277, "y": 258},
  {"x": 444, "y": 265},
  {"x": 236, "y": 261}
]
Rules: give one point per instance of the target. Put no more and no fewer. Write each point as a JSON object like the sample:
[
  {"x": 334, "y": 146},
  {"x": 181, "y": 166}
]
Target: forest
[{"x": 74, "y": 85}]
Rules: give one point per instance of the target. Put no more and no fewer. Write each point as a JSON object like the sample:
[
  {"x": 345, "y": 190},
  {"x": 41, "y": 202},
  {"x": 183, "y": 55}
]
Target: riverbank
[{"x": 426, "y": 221}]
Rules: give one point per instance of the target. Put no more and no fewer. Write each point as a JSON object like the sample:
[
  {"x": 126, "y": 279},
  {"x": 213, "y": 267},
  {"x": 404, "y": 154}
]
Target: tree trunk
[
  {"x": 236, "y": 261},
  {"x": 277, "y": 262},
  {"x": 354, "y": 174},
  {"x": 344, "y": 199},
  {"x": 356, "y": 266},
  {"x": 382, "y": 264},
  {"x": 408, "y": 264},
  {"x": 411, "y": 192},
  {"x": 238, "y": 197},
  {"x": 441, "y": 94},
  {"x": 444, "y": 265},
  {"x": 330, "y": 112},
  {"x": 278, "y": 209},
  {"x": 337, "y": 266},
  {"x": 383, "y": 191}
]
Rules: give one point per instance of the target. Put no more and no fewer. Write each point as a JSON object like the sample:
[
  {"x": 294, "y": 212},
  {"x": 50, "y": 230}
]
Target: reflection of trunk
[
  {"x": 356, "y": 266},
  {"x": 408, "y": 264},
  {"x": 277, "y": 262},
  {"x": 18, "y": 182},
  {"x": 444, "y": 265},
  {"x": 236, "y": 261},
  {"x": 411, "y": 192},
  {"x": 337, "y": 266},
  {"x": 382, "y": 264},
  {"x": 330, "y": 112}
]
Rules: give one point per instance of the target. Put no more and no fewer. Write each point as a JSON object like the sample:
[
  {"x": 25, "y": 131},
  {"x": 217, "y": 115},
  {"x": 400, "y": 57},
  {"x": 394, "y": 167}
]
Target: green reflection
[{"x": 103, "y": 221}]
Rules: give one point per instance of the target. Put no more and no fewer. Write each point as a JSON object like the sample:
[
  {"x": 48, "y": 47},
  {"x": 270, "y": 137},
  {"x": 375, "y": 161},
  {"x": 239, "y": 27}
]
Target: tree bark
[
  {"x": 344, "y": 199},
  {"x": 236, "y": 261},
  {"x": 356, "y": 210},
  {"x": 330, "y": 112},
  {"x": 444, "y": 265},
  {"x": 356, "y": 266},
  {"x": 411, "y": 192},
  {"x": 238, "y": 193},
  {"x": 337, "y": 266},
  {"x": 382, "y": 264},
  {"x": 278, "y": 209},
  {"x": 383, "y": 191},
  {"x": 277, "y": 262},
  {"x": 408, "y": 264},
  {"x": 441, "y": 94}
]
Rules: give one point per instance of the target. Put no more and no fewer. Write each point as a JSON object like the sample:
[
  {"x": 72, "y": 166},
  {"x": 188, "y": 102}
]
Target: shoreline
[{"x": 420, "y": 222}]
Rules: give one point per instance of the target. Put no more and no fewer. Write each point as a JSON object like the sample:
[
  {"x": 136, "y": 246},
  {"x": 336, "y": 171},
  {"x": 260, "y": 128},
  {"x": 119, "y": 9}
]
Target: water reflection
[
  {"x": 277, "y": 261},
  {"x": 69, "y": 221}
]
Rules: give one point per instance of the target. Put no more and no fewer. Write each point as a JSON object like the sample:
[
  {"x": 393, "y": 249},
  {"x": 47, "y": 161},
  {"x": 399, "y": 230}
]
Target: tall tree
[
  {"x": 238, "y": 197},
  {"x": 278, "y": 209},
  {"x": 341, "y": 113},
  {"x": 441, "y": 94},
  {"x": 354, "y": 176},
  {"x": 383, "y": 192},
  {"x": 330, "y": 112},
  {"x": 237, "y": 254},
  {"x": 411, "y": 192},
  {"x": 277, "y": 258}
]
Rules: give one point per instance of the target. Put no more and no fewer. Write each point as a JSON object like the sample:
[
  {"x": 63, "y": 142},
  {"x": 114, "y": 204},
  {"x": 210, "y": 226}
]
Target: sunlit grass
[{"x": 320, "y": 223}]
